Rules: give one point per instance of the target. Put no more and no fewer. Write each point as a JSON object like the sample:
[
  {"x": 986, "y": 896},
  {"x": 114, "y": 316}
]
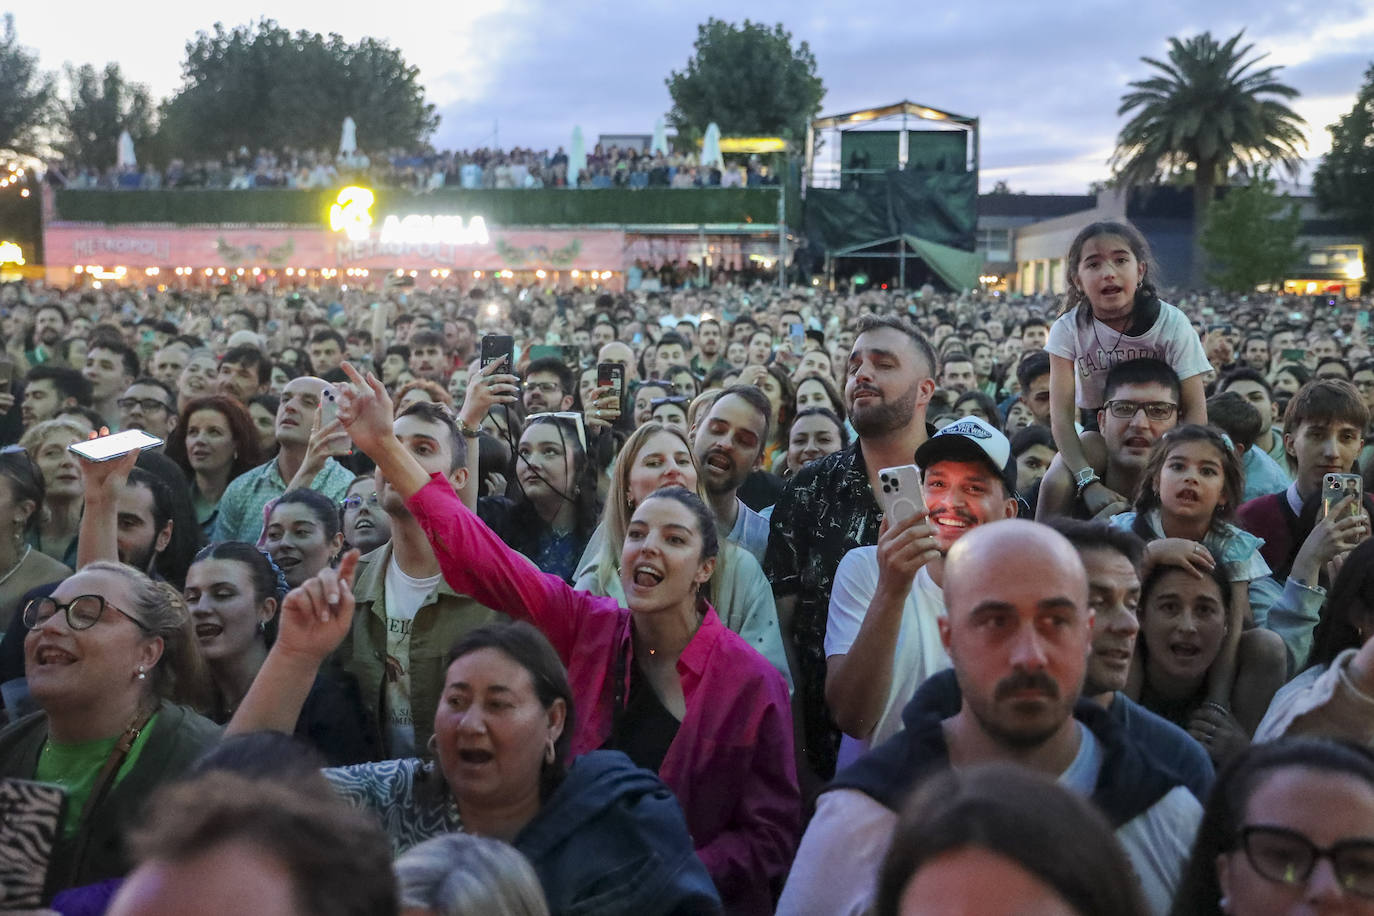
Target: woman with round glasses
[
  {"x": 110, "y": 658},
  {"x": 366, "y": 525},
  {"x": 1289, "y": 828}
]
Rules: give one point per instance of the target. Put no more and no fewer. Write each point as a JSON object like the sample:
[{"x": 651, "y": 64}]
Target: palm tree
[{"x": 1208, "y": 109}]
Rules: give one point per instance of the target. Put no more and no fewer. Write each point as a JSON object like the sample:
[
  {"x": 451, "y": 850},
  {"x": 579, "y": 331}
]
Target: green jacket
[
  {"x": 96, "y": 852},
  {"x": 443, "y": 618}
]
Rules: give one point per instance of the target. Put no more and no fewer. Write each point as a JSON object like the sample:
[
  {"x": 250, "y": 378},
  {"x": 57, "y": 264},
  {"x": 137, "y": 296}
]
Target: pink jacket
[{"x": 731, "y": 764}]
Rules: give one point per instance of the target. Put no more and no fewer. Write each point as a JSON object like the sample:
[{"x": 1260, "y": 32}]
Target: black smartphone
[
  {"x": 611, "y": 375},
  {"x": 496, "y": 346}
]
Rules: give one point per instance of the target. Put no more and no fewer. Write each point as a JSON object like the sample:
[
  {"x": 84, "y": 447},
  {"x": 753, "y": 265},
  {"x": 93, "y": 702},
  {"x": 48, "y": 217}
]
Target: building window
[{"x": 994, "y": 244}]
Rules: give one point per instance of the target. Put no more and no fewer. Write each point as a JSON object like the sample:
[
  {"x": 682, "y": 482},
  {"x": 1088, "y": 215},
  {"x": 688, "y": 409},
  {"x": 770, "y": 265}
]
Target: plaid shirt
[
  {"x": 826, "y": 510},
  {"x": 240, "y": 508}
]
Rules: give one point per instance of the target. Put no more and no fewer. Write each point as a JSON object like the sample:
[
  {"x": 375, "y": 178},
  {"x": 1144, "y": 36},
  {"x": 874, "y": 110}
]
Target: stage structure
[{"x": 895, "y": 182}]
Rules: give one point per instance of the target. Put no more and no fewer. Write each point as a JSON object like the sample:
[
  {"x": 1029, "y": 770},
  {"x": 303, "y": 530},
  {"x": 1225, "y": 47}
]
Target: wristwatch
[
  {"x": 468, "y": 432},
  {"x": 1084, "y": 478}
]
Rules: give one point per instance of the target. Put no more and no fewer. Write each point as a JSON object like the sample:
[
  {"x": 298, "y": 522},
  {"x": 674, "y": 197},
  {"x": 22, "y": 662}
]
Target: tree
[
  {"x": 261, "y": 86},
  {"x": 26, "y": 94},
  {"x": 98, "y": 108},
  {"x": 1208, "y": 109},
  {"x": 748, "y": 79},
  {"x": 1344, "y": 181},
  {"x": 1252, "y": 236}
]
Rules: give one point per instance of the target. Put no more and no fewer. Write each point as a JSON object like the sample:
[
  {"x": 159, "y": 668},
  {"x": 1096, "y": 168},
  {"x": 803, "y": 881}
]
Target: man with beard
[
  {"x": 548, "y": 386},
  {"x": 406, "y": 617},
  {"x": 827, "y": 508},
  {"x": 882, "y": 638},
  {"x": 303, "y": 459},
  {"x": 729, "y": 444},
  {"x": 1111, "y": 558},
  {"x": 49, "y": 326},
  {"x": 1018, "y": 630},
  {"x": 710, "y": 348},
  {"x": 48, "y": 389},
  {"x": 1134, "y": 390}
]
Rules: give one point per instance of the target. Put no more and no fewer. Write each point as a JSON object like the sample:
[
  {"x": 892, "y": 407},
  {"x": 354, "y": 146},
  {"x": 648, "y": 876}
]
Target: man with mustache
[
  {"x": 882, "y": 637},
  {"x": 827, "y": 509},
  {"x": 1019, "y": 631},
  {"x": 729, "y": 444},
  {"x": 1116, "y": 457}
]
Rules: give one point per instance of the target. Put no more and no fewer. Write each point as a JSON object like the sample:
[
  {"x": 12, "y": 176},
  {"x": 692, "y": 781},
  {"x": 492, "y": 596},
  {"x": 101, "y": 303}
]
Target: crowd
[
  {"x": 726, "y": 599},
  {"x": 606, "y": 167}
]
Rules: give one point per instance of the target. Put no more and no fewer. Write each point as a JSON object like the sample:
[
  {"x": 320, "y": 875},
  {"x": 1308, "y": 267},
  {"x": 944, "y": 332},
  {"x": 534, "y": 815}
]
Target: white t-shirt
[
  {"x": 1096, "y": 348},
  {"x": 918, "y": 653},
  {"x": 404, "y": 595}
]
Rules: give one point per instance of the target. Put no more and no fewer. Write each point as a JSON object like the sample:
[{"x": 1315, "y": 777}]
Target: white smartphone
[
  {"x": 899, "y": 495},
  {"x": 329, "y": 406},
  {"x": 112, "y": 446}
]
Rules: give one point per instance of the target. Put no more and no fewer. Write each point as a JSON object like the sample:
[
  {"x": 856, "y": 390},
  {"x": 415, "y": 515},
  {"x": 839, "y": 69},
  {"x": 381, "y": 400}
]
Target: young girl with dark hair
[{"x": 1111, "y": 313}]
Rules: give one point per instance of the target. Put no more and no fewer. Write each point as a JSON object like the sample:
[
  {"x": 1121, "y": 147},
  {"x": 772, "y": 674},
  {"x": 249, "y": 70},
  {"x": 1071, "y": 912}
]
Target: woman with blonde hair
[{"x": 656, "y": 456}]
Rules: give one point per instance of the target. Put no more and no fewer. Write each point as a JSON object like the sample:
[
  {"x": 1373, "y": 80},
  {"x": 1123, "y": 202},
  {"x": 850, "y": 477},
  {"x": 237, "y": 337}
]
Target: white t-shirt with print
[
  {"x": 1095, "y": 348},
  {"x": 918, "y": 653},
  {"x": 404, "y": 595}
]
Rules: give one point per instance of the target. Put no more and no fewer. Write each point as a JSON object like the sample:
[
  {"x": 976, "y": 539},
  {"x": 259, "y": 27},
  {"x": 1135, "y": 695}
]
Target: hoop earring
[{"x": 432, "y": 745}]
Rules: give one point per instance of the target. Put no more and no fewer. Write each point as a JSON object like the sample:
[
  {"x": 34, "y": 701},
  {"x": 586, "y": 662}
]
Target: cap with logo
[{"x": 971, "y": 439}]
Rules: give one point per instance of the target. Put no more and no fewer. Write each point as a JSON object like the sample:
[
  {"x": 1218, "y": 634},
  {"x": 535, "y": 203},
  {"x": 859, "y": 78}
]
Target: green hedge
[{"x": 547, "y": 207}]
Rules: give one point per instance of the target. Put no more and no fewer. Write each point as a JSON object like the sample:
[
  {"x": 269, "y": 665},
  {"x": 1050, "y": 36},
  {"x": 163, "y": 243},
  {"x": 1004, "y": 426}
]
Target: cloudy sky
[{"x": 1044, "y": 77}]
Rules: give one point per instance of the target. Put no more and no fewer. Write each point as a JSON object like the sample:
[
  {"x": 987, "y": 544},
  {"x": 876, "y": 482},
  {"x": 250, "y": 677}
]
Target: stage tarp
[{"x": 936, "y": 206}]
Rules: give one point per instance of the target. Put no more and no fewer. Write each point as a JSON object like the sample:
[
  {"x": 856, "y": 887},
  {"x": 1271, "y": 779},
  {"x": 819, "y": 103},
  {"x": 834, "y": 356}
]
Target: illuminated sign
[
  {"x": 351, "y": 214},
  {"x": 10, "y": 253}
]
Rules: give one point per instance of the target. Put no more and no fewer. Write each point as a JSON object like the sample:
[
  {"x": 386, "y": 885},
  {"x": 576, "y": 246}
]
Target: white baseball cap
[{"x": 970, "y": 439}]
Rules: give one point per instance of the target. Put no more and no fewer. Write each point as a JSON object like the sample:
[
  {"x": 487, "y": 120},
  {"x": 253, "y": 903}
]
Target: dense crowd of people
[
  {"x": 724, "y": 599},
  {"x": 606, "y": 167}
]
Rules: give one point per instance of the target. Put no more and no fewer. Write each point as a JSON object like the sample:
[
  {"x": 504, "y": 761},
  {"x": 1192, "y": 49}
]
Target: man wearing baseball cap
[{"x": 881, "y": 637}]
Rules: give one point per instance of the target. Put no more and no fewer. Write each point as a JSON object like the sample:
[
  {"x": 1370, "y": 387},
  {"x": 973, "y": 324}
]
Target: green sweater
[{"x": 96, "y": 851}]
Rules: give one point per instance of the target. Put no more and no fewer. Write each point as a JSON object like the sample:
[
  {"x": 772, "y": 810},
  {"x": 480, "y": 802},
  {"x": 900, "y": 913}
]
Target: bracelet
[
  {"x": 468, "y": 432},
  {"x": 1218, "y": 707}
]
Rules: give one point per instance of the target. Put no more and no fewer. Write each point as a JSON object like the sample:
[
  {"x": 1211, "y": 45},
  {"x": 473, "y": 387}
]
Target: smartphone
[
  {"x": 329, "y": 406},
  {"x": 611, "y": 375},
  {"x": 900, "y": 494},
  {"x": 497, "y": 346},
  {"x": 1336, "y": 487},
  {"x": 6, "y": 371},
  {"x": 1293, "y": 356},
  {"x": 113, "y": 446},
  {"x": 797, "y": 334},
  {"x": 30, "y": 820}
]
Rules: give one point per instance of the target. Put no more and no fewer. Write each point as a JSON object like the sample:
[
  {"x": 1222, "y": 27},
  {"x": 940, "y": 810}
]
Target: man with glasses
[
  {"x": 548, "y": 386},
  {"x": 148, "y": 405},
  {"x": 1141, "y": 405}
]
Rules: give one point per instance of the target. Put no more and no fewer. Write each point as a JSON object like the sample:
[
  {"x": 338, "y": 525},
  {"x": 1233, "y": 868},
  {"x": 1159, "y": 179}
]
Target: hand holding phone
[
  {"x": 1336, "y": 487},
  {"x": 107, "y": 448},
  {"x": 899, "y": 495},
  {"x": 497, "y": 346}
]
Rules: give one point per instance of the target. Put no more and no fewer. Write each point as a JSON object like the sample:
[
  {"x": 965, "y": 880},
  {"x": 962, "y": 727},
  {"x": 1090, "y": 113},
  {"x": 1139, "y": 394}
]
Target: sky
[{"x": 1045, "y": 79}]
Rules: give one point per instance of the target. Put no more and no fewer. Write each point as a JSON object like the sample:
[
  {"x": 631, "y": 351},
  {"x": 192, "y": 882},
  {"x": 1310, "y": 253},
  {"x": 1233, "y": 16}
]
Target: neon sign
[{"x": 351, "y": 214}]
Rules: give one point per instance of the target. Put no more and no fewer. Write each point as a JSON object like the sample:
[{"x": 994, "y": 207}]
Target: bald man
[
  {"x": 305, "y": 459},
  {"x": 1018, "y": 629}
]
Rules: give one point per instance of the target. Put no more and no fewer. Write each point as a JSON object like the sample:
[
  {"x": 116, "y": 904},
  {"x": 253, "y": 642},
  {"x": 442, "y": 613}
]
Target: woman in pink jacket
[{"x": 664, "y": 680}]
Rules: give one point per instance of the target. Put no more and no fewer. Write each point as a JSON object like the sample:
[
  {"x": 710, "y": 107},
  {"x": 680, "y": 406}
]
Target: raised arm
[
  {"x": 486, "y": 387},
  {"x": 474, "y": 561},
  {"x": 97, "y": 538},
  {"x": 315, "y": 617}
]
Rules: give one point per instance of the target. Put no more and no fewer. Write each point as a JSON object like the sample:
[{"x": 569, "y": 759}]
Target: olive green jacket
[{"x": 443, "y": 618}]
